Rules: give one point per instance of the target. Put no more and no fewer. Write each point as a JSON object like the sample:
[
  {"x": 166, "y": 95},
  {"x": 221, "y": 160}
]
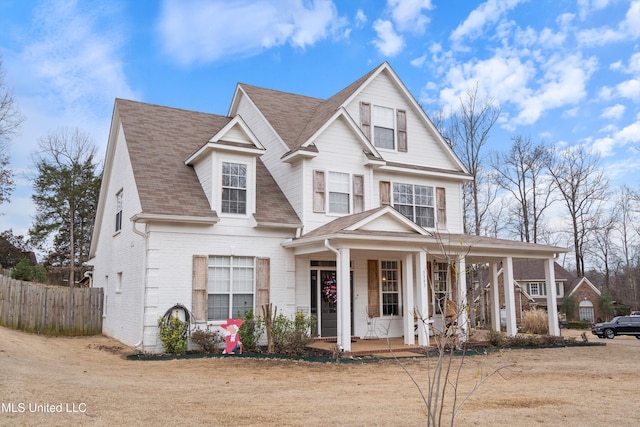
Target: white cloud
[
  {"x": 489, "y": 12},
  {"x": 388, "y": 42},
  {"x": 614, "y": 112},
  {"x": 629, "y": 89},
  {"x": 628, "y": 29},
  {"x": 586, "y": 7},
  {"x": 361, "y": 18},
  {"x": 418, "y": 62},
  {"x": 407, "y": 14},
  {"x": 628, "y": 135},
  {"x": 207, "y": 31},
  {"x": 74, "y": 55}
]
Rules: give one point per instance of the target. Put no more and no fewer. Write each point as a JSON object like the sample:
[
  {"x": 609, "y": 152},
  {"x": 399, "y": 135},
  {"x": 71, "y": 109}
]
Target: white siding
[
  {"x": 121, "y": 253},
  {"x": 203, "y": 170},
  {"x": 171, "y": 250},
  {"x": 423, "y": 147},
  {"x": 339, "y": 151}
]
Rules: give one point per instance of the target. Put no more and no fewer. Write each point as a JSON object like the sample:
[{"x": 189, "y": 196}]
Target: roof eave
[{"x": 186, "y": 219}]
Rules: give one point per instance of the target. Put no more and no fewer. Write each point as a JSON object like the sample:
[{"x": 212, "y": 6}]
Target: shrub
[
  {"x": 251, "y": 331},
  {"x": 173, "y": 334},
  {"x": 575, "y": 324},
  {"x": 208, "y": 341},
  {"x": 497, "y": 338},
  {"x": 290, "y": 336},
  {"x": 535, "y": 322},
  {"x": 524, "y": 340}
]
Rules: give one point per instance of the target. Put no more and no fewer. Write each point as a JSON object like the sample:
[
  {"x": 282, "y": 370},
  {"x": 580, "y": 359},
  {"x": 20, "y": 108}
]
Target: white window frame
[
  {"x": 234, "y": 265},
  {"x": 232, "y": 187},
  {"x": 119, "y": 203},
  {"x": 390, "y": 285},
  {"x": 338, "y": 188},
  {"x": 440, "y": 281},
  {"x": 397, "y": 202},
  {"x": 377, "y": 122}
]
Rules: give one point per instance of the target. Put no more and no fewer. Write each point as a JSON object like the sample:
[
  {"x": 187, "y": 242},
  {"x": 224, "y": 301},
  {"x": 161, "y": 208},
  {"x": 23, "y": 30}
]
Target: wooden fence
[{"x": 50, "y": 310}]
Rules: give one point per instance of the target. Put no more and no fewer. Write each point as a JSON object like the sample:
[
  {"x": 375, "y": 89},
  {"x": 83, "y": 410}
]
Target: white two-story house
[{"x": 347, "y": 208}]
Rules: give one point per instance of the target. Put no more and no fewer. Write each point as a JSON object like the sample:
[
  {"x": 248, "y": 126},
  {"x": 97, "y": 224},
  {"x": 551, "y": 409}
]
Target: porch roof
[{"x": 367, "y": 230}]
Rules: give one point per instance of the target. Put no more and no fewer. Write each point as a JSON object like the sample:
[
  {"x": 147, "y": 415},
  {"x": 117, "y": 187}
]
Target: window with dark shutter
[
  {"x": 365, "y": 119},
  {"x": 318, "y": 191},
  {"x": 401, "y": 122},
  {"x": 441, "y": 203},
  {"x": 358, "y": 193},
  {"x": 199, "y": 288},
  {"x": 385, "y": 193},
  {"x": 373, "y": 289}
]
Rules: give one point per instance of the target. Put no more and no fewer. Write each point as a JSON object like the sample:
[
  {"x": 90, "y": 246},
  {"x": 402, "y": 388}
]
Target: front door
[{"x": 324, "y": 301}]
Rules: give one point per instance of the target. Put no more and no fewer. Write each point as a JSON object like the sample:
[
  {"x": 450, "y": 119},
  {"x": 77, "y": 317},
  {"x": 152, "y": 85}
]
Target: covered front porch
[{"x": 403, "y": 279}]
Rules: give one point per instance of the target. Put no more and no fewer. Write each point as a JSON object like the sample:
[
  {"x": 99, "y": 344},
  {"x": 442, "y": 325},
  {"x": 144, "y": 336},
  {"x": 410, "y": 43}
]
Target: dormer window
[{"x": 234, "y": 188}]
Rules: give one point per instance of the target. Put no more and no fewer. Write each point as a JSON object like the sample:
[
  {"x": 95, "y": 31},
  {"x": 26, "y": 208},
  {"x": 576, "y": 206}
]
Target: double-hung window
[
  {"x": 416, "y": 202},
  {"x": 390, "y": 288},
  {"x": 339, "y": 193},
  {"x": 383, "y": 127},
  {"x": 119, "y": 211},
  {"x": 231, "y": 284},
  {"x": 234, "y": 188}
]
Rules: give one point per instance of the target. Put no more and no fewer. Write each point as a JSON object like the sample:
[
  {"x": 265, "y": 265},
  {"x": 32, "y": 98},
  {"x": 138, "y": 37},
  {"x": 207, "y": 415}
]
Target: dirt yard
[{"x": 87, "y": 381}]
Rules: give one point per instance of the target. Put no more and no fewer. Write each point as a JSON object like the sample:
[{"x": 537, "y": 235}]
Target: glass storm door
[{"x": 324, "y": 301}]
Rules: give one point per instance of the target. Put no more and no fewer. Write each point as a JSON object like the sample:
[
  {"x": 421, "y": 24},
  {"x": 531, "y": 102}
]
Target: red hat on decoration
[{"x": 236, "y": 322}]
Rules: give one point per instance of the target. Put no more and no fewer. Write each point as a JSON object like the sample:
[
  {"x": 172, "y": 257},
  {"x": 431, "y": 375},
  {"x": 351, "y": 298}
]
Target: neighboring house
[
  {"x": 531, "y": 291},
  {"x": 283, "y": 201}
]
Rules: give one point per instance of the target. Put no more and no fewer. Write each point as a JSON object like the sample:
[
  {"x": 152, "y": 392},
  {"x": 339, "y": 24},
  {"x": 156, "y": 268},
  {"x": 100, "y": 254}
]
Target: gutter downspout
[
  {"x": 338, "y": 262},
  {"x": 145, "y": 236}
]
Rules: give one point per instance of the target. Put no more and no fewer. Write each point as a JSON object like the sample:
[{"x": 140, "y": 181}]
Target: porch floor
[{"x": 393, "y": 347}]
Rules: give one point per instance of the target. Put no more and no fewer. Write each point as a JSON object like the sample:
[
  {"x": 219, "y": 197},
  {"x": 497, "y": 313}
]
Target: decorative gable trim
[
  {"x": 588, "y": 283},
  {"x": 224, "y": 142},
  {"x": 416, "y": 107},
  {"x": 388, "y": 212},
  {"x": 342, "y": 113}
]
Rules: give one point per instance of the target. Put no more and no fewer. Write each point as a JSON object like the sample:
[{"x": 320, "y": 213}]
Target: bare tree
[
  {"x": 10, "y": 121},
  {"x": 470, "y": 132},
  {"x": 521, "y": 173},
  {"x": 626, "y": 211},
  {"x": 577, "y": 176},
  {"x": 65, "y": 194}
]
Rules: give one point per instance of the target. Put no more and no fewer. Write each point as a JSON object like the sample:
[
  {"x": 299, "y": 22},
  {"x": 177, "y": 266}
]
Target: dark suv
[{"x": 621, "y": 325}]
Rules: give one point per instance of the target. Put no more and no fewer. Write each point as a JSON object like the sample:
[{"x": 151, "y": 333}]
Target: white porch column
[
  {"x": 461, "y": 280},
  {"x": 495, "y": 298},
  {"x": 509, "y": 296},
  {"x": 422, "y": 299},
  {"x": 408, "y": 301},
  {"x": 344, "y": 298},
  {"x": 552, "y": 305}
]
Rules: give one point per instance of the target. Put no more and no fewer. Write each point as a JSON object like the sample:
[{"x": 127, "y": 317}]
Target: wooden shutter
[
  {"x": 365, "y": 119},
  {"x": 401, "y": 122},
  {"x": 358, "y": 193},
  {"x": 385, "y": 193},
  {"x": 373, "y": 289},
  {"x": 263, "y": 283},
  {"x": 199, "y": 306},
  {"x": 318, "y": 191},
  {"x": 441, "y": 204}
]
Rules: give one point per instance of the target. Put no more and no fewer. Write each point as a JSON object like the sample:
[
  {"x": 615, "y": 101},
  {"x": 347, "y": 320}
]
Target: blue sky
[{"x": 564, "y": 72}]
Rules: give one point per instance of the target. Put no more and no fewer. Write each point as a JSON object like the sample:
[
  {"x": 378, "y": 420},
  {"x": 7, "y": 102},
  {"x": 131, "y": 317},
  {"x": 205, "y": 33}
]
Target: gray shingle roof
[
  {"x": 159, "y": 139},
  {"x": 295, "y": 117}
]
